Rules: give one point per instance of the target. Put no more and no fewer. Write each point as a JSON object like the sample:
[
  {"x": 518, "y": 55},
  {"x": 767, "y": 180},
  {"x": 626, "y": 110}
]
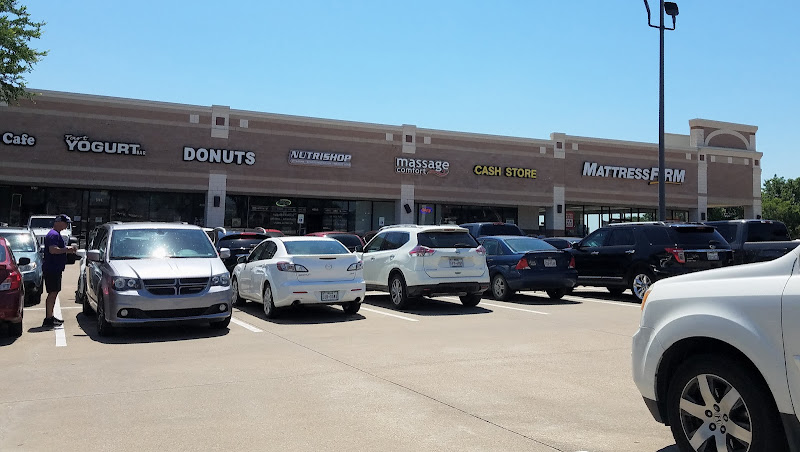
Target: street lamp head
[{"x": 671, "y": 8}]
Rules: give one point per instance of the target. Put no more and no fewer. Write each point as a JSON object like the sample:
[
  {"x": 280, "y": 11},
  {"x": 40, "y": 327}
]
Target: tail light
[
  {"x": 572, "y": 262},
  {"x": 290, "y": 267},
  {"x": 522, "y": 264},
  {"x": 480, "y": 250},
  {"x": 357, "y": 266},
  {"x": 678, "y": 254},
  {"x": 421, "y": 251},
  {"x": 12, "y": 281}
]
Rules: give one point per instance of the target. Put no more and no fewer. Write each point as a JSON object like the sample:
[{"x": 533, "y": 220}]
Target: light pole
[{"x": 671, "y": 9}]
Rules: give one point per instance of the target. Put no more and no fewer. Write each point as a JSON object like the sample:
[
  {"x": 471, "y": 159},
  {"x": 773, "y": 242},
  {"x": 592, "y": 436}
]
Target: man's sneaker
[{"x": 52, "y": 321}]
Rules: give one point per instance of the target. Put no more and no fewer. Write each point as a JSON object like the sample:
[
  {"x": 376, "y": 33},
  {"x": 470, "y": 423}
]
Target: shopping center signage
[
  {"x": 317, "y": 158},
  {"x": 508, "y": 171},
  {"x": 671, "y": 175},
  {"x": 439, "y": 168},
  {"x": 13, "y": 139},
  {"x": 218, "y": 156},
  {"x": 82, "y": 143}
]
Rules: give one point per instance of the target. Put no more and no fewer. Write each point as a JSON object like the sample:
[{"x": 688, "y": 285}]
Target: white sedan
[{"x": 285, "y": 271}]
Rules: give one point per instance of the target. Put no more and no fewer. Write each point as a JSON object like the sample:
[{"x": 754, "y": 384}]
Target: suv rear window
[
  {"x": 438, "y": 239},
  {"x": 499, "y": 229},
  {"x": 767, "y": 232},
  {"x": 697, "y": 235},
  {"x": 348, "y": 240},
  {"x": 658, "y": 236},
  {"x": 727, "y": 230}
]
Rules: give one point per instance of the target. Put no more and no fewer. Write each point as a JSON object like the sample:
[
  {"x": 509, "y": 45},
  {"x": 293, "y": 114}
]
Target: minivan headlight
[
  {"x": 121, "y": 283},
  {"x": 223, "y": 279},
  {"x": 27, "y": 268}
]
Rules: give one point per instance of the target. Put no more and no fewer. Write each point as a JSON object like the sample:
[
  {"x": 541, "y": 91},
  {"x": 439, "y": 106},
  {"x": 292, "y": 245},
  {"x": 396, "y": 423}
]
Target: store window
[
  {"x": 426, "y": 214},
  {"x": 130, "y": 206},
  {"x": 382, "y": 214}
]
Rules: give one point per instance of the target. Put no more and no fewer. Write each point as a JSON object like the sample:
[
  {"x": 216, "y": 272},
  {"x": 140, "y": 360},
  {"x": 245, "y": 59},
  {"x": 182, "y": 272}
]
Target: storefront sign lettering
[
  {"x": 523, "y": 173},
  {"x": 218, "y": 156},
  {"x": 283, "y": 202},
  {"x": 439, "y": 168},
  {"x": 671, "y": 175},
  {"x": 314, "y": 158},
  {"x": 84, "y": 144},
  {"x": 18, "y": 140}
]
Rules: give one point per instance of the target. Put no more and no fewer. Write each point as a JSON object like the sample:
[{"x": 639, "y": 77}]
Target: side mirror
[
  {"x": 41, "y": 249},
  {"x": 358, "y": 249},
  {"x": 576, "y": 245},
  {"x": 80, "y": 253},
  {"x": 224, "y": 253},
  {"x": 241, "y": 260},
  {"x": 23, "y": 261},
  {"x": 93, "y": 255}
]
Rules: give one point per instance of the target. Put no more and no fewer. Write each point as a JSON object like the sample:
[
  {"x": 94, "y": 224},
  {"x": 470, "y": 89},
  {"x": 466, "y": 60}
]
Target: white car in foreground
[
  {"x": 285, "y": 271},
  {"x": 717, "y": 357}
]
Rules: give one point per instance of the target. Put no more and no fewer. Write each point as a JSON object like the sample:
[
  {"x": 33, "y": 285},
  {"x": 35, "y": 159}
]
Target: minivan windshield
[
  {"x": 160, "y": 243},
  {"x": 441, "y": 239},
  {"x": 20, "y": 242}
]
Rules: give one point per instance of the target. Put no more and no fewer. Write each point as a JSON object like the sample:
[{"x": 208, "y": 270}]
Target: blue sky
[{"x": 517, "y": 68}]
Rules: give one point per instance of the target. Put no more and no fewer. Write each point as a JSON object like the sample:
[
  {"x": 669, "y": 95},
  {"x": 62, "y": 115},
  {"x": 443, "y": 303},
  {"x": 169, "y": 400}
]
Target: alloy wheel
[
  {"x": 714, "y": 416},
  {"x": 396, "y": 291},
  {"x": 641, "y": 282},
  {"x": 499, "y": 288}
]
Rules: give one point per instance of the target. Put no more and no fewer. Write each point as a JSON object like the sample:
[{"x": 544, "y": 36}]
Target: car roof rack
[{"x": 638, "y": 223}]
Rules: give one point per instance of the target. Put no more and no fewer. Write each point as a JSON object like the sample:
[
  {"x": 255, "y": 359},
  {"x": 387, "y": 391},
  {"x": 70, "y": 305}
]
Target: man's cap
[{"x": 63, "y": 218}]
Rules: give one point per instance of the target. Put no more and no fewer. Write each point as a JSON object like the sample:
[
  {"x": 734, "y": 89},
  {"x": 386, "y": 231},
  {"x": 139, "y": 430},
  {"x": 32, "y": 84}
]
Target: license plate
[
  {"x": 330, "y": 296},
  {"x": 549, "y": 262},
  {"x": 456, "y": 261},
  {"x": 713, "y": 256}
]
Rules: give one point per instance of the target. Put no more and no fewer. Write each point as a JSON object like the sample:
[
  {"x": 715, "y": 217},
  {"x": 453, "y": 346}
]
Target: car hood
[
  {"x": 39, "y": 232},
  {"x": 168, "y": 268}
]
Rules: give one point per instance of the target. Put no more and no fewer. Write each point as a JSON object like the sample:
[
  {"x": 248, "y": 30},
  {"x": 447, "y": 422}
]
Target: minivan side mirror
[
  {"x": 358, "y": 249},
  {"x": 93, "y": 255},
  {"x": 24, "y": 261},
  {"x": 80, "y": 253},
  {"x": 224, "y": 253}
]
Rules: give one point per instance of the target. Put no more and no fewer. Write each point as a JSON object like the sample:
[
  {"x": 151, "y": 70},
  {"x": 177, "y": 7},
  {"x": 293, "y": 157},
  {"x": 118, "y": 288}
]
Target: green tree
[
  {"x": 725, "y": 213},
  {"x": 16, "y": 57},
  {"x": 780, "y": 200}
]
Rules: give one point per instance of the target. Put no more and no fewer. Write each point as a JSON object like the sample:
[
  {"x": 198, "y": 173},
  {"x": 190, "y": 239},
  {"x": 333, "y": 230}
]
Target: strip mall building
[{"x": 102, "y": 158}]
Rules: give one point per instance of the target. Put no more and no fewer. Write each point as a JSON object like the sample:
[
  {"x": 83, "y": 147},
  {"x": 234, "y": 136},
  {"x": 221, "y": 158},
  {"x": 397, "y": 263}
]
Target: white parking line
[
  {"x": 246, "y": 325},
  {"x": 516, "y": 309},
  {"x": 581, "y": 299},
  {"x": 63, "y": 307},
  {"x": 390, "y": 315},
  {"x": 61, "y": 335}
]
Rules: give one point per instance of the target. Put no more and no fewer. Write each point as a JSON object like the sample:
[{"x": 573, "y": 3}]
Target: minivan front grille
[{"x": 182, "y": 286}]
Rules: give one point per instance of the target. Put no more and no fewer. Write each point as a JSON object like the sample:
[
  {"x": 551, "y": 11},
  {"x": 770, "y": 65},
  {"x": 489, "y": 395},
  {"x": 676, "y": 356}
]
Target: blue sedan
[{"x": 526, "y": 263}]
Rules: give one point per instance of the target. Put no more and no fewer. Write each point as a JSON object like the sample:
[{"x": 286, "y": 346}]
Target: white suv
[
  {"x": 411, "y": 261},
  {"x": 717, "y": 357}
]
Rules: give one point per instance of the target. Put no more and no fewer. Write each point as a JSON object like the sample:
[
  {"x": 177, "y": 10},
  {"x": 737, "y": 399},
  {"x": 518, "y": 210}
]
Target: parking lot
[{"x": 531, "y": 374}]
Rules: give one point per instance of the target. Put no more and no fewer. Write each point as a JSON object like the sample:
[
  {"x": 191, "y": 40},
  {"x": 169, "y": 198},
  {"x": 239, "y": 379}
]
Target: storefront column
[
  {"x": 405, "y": 208},
  {"x": 528, "y": 218},
  {"x": 215, "y": 200},
  {"x": 554, "y": 216},
  {"x": 754, "y": 210},
  {"x": 701, "y": 212}
]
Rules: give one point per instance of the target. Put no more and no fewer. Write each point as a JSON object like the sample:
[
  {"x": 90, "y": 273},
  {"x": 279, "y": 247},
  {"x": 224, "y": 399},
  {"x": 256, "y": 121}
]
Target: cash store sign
[{"x": 508, "y": 171}]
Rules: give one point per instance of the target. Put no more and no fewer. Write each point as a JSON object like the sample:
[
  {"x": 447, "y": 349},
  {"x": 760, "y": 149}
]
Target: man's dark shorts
[{"x": 52, "y": 282}]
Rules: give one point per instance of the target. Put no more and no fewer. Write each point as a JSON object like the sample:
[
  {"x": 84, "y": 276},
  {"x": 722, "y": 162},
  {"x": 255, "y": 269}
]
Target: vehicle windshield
[
  {"x": 525, "y": 244},
  {"x": 441, "y": 239},
  {"x": 20, "y": 242},
  {"x": 310, "y": 247},
  {"x": 43, "y": 222},
  {"x": 348, "y": 240},
  {"x": 160, "y": 243},
  {"x": 499, "y": 229}
]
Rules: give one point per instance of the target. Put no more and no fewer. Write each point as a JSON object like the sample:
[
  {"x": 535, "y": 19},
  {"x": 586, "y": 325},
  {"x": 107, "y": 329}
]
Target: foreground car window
[
  {"x": 315, "y": 247},
  {"x": 522, "y": 245},
  {"x": 439, "y": 239},
  {"x": 160, "y": 243},
  {"x": 21, "y": 243}
]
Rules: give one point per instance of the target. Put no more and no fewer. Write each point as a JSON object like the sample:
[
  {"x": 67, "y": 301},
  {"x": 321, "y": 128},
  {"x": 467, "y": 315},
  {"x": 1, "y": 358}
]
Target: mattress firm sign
[
  {"x": 316, "y": 158},
  {"x": 671, "y": 176},
  {"x": 218, "y": 156},
  {"x": 82, "y": 143},
  {"x": 439, "y": 168}
]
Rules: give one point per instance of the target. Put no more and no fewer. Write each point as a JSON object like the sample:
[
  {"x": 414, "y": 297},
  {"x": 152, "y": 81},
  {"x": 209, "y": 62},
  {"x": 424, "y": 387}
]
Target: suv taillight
[
  {"x": 12, "y": 281},
  {"x": 678, "y": 254},
  {"x": 480, "y": 250},
  {"x": 421, "y": 251},
  {"x": 572, "y": 262}
]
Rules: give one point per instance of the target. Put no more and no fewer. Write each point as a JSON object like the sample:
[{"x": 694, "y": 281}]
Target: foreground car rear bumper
[
  {"x": 311, "y": 292},
  {"x": 543, "y": 282},
  {"x": 11, "y": 306}
]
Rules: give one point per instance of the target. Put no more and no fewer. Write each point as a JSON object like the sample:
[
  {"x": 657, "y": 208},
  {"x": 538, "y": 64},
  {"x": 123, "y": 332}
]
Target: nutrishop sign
[
  {"x": 82, "y": 143},
  {"x": 225, "y": 156},
  {"x": 317, "y": 158}
]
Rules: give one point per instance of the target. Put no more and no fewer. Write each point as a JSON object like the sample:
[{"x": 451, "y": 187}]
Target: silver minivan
[{"x": 145, "y": 273}]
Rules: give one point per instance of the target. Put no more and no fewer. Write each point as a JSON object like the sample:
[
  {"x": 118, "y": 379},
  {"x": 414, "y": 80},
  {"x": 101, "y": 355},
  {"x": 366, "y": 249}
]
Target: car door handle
[
  {"x": 372, "y": 258},
  {"x": 630, "y": 251},
  {"x": 593, "y": 253},
  {"x": 391, "y": 257}
]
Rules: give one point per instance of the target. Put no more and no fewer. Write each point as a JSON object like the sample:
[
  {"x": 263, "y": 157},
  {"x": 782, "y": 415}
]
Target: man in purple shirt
[{"x": 55, "y": 260}]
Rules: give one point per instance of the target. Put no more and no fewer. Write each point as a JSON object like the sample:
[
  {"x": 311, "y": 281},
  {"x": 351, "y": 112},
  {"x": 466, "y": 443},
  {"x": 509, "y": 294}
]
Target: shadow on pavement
[
  {"x": 167, "y": 332},
  {"x": 673, "y": 448},
  {"x": 302, "y": 315},
  {"x": 5, "y": 339},
  {"x": 532, "y": 299},
  {"x": 626, "y": 297},
  {"x": 427, "y": 306}
]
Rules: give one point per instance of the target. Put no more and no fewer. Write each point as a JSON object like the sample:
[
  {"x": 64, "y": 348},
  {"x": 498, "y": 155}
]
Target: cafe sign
[
  {"x": 508, "y": 171},
  {"x": 671, "y": 175},
  {"x": 13, "y": 139}
]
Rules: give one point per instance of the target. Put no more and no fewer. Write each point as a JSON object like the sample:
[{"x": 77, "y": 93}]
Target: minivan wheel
[
  {"x": 716, "y": 404},
  {"x": 640, "y": 282},
  {"x": 87, "y": 308},
  {"x": 556, "y": 294},
  {"x": 236, "y": 299},
  {"x": 471, "y": 300},
  {"x": 103, "y": 327},
  {"x": 398, "y": 291},
  {"x": 269, "y": 307},
  {"x": 500, "y": 289}
]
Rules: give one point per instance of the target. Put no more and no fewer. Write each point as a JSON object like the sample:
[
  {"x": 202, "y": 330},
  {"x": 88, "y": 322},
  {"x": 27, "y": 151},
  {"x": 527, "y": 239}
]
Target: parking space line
[
  {"x": 515, "y": 309},
  {"x": 390, "y": 315},
  {"x": 582, "y": 299},
  {"x": 61, "y": 335},
  {"x": 62, "y": 307},
  {"x": 246, "y": 325}
]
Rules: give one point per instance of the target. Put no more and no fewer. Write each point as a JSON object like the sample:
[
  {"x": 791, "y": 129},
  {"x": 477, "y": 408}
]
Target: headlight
[
  {"x": 223, "y": 279},
  {"x": 121, "y": 283},
  {"x": 357, "y": 266},
  {"x": 644, "y": 298},
  {"x": 27, "y": 268}
]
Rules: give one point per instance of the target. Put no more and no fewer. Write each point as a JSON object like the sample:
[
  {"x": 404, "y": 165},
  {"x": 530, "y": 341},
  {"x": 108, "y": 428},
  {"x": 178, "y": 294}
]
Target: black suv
[
  {"x": 488, "y": 228},
  {"x": 635, "y": 255}
]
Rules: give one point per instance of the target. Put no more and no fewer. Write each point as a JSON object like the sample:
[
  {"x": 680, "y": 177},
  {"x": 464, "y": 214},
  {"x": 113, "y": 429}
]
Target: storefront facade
[{"x": 100, "y": 159}]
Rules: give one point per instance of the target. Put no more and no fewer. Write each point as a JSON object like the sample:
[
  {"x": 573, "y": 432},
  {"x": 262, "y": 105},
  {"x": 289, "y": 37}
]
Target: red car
[
  {"x": 12, "y": 291},
  {"x": 348, "y": 239}
]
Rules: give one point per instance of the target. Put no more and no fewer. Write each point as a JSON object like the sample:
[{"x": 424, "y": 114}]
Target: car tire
[
  {"x": 33, "y": 298},
  {"x": 270, "y": 311},
  {"x": 750, "y": 417},
  {"x": 641, "y": 280},
  {"x": 471, "y": 300},
  {"x": 221, "y": 325},
  {"x": 71, "y": 259},
  {"x": 556, "y": 294},
  {"x": 104, "y": 328},
  {"x": 351, "y": 307},
  {"x": 398, "y": 291},
  {"x": 15, "y": 329},
  {"x": 500, "y": 289},
  {"x": 616, "y": 291},
  {"x": 236, "y": 299},
  {"x": 87, "y": 308}
]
